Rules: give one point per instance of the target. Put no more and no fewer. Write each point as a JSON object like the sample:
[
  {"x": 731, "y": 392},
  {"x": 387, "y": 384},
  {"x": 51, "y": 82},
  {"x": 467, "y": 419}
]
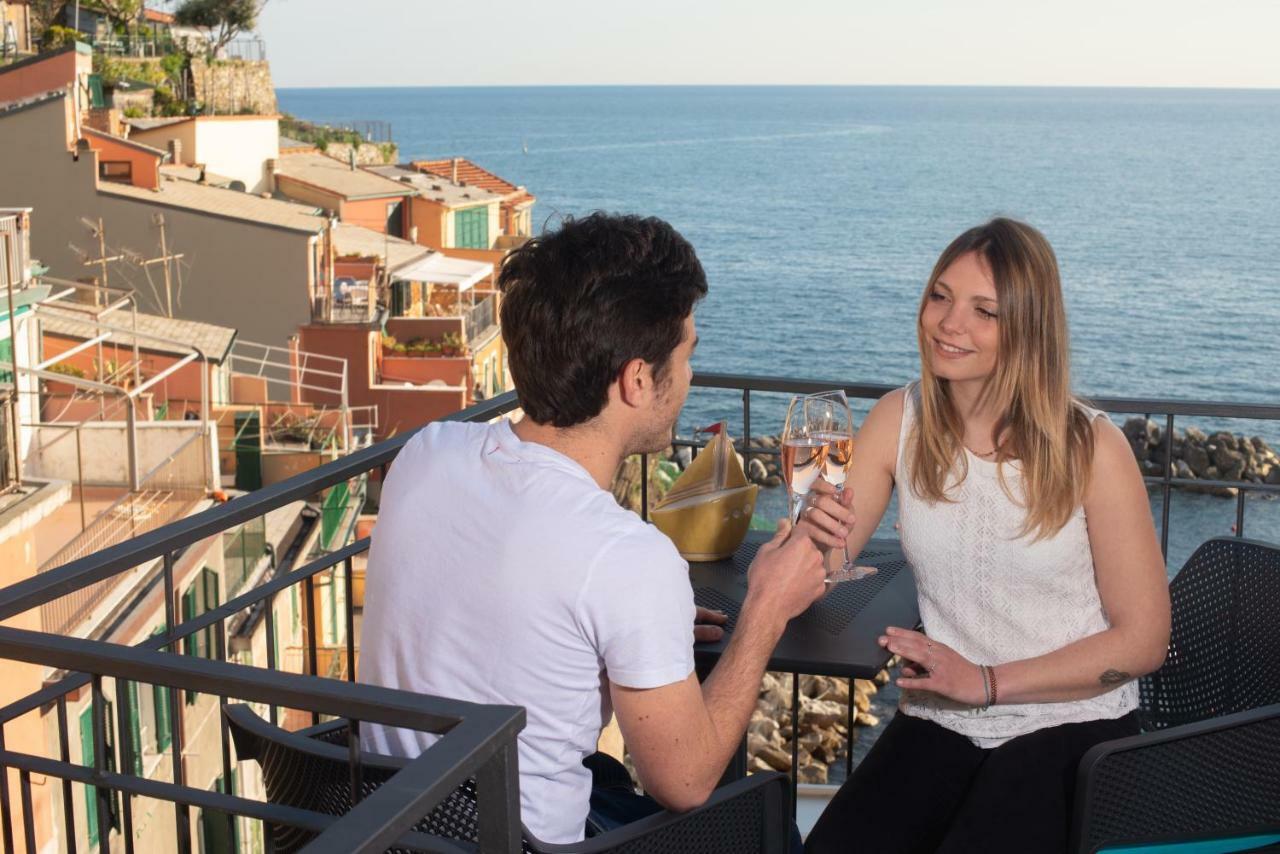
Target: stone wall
[
  {"x": 367, "y": 153},
  {"x": 233, "y": 86}
]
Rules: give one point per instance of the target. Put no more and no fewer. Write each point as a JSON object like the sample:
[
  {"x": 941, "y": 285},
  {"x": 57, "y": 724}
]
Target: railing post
[
  {"x": 127, "y": 748},
  {"x": 1167, "y": 488},
  {"x": 98, "y": 712},
  {"x": 644, "y": 487},
  {"x": 271, "y": 647},
  {"x": 224, "y": 728},
  {"x": 795, "y": 742},
  {"x": 353, "y": 757},
  {"x": 351, "y": 620},
  {"x": 1240, "y": 496},
  {"x": 182, "y": 817},
  {"x": 498, "y": 802},
  {"x": 6, "y": 816},
  {"x": 64, "y": 753},
  {"x": 28, "y": 814},
  {"x": 309, "y": 589}
]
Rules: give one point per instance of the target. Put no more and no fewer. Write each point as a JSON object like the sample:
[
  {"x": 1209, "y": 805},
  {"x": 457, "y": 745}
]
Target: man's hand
[
  {"x": 706, "y": 625},
  {"x": 786, "y": 577},
  {"x": 825, "y": 517}
]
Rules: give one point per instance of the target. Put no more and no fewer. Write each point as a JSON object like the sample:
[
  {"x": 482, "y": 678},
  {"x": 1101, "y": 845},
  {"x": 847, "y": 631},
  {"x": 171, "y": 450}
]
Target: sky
[{"x": 1193, "y": 43}]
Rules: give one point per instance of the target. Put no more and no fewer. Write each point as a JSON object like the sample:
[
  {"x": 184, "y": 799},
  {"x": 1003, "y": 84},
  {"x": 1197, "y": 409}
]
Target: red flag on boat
[{"x": 714, "y": 428}]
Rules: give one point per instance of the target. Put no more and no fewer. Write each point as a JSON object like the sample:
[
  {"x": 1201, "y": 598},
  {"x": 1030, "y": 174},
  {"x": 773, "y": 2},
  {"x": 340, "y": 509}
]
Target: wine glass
[
  {"x": 831, "y": 421},
  {"x": 803, "y": 454}
]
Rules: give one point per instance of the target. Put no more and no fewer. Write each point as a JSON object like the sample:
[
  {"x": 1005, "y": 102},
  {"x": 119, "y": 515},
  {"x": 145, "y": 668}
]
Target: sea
[{"x": 818, "y": 212}]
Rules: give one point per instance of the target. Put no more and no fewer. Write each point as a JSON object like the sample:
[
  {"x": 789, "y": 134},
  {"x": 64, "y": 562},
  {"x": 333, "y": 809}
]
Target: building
[
  {"x": 515, "y": 203},
  {"x": 238, "y": 249},
  {"x": 126, "y": 431},
  {"x": 16, "y": 37},
  {"x": 355, "y": 195},
  {"x": 239, "y": 147},
  {"x": 448, "y": 216},
  {"x": 36, "y": 75}
]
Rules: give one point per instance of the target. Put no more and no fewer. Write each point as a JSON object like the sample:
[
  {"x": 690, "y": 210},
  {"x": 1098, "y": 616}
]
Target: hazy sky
[{"x": 984, "y": 42}]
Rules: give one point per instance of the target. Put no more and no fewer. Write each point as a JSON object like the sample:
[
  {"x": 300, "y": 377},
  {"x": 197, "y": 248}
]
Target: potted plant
[
  {"x": 431, "y": 348},
  {"x": 450, "y": 344},
  {"x": 388, "y": 344}
]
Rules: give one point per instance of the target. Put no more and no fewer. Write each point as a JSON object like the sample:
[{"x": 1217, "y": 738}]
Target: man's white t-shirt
[{"x": 500, "y": 572}]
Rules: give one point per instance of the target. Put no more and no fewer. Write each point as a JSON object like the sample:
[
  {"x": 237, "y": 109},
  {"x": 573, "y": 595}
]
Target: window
[
  {"x": 201, "y": 597},
  {"x": 120, "y": 171},
  {"x": 395, "y": 219},
  {"x": 471, "y": 228}
]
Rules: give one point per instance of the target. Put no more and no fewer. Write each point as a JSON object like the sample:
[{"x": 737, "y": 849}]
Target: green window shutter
[
  {"x": 471, "y": 228},
  {"x": 164, "y": 719},
  {"x": 163, "y": 734},
  {"x": 211, "y": 600},
  {"x": 190, "y": 643},
  {"x": 86, "y": 751},
  {"x": 87, "y": 759},
  {"x": 6, "y": 360},
  {"x": 135, "y": 727}
]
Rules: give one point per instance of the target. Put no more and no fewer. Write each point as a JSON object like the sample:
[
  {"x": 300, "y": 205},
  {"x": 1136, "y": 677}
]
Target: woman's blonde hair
[{"x": 1043, "y": 426}]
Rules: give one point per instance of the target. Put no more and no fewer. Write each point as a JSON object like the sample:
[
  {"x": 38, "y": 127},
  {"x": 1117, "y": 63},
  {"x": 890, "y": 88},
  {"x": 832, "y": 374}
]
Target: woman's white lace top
[{"x": 995, "y": 596}]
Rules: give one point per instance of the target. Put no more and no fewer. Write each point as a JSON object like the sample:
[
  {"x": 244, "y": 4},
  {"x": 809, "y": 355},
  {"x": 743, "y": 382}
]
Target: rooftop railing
[{"x": 479, "y": 740}]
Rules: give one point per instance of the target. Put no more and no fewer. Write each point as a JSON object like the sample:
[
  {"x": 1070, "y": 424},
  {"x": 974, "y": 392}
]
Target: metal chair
[
  {"x": 1207, "y": 766},
  {"x": 309, "y": 769}
]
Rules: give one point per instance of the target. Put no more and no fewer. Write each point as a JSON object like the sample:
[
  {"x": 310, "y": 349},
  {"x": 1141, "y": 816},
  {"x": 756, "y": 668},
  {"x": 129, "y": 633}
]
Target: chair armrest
[
  {"x": 1205, "y": 780},
  {"x": 746, "y": 816}
]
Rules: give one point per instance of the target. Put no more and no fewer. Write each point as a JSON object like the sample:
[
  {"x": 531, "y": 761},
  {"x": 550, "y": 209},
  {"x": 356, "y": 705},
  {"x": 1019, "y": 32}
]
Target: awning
[{"x": 439, "y": 269}]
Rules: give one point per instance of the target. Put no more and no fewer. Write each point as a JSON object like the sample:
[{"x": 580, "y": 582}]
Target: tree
[
  {"x": 120, "y": 12},
  {"x": 226, "y": 18}
]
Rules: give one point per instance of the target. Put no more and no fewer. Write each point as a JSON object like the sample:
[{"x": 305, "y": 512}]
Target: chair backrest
[
  {"x": 310, "y": 769},
  {"x": 1224, "y": 651}
]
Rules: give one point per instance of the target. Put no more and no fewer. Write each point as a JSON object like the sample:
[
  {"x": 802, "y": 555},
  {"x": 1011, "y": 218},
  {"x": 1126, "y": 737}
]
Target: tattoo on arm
[{"x": 1112, "y": 678}]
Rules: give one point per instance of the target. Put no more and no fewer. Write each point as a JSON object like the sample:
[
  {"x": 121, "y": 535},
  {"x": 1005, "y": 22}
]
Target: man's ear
[{"x": 635, "y": 383}]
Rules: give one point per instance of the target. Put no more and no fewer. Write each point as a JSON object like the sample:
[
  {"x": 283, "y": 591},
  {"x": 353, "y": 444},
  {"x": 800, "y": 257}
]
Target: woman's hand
[
  {"x": 827, "y": 517},
  {"x": 932, "y": 666}
]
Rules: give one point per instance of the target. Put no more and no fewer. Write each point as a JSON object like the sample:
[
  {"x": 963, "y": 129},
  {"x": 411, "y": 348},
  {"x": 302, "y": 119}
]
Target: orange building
[
  {"x": 515, "y": 205},
  {"x": 355, "y": 195}
]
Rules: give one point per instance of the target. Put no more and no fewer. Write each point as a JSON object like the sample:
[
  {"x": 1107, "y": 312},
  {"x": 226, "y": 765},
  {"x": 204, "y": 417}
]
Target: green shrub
[{"x": 58, "y": 37}]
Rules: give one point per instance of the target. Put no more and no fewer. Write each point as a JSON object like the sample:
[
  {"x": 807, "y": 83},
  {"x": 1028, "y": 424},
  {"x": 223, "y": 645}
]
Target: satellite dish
[{"x": 238, "y": 186}]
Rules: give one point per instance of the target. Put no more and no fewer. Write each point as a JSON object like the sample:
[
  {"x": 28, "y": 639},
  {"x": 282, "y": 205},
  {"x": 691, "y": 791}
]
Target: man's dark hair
[{"x": 581, "y": 302}]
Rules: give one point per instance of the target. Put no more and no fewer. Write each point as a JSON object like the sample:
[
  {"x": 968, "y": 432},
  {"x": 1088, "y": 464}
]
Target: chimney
[
  {"x": 455, "y": 169},
  {"x": 175, "y": 151},
  {"x": 351, "y": 158},
  {"x": 271, "y": 174}
]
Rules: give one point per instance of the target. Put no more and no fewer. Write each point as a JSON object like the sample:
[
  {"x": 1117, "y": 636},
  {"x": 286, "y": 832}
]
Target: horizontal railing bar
[
  {"x": 1150, "y": 406},
  {"x": 336, "y": 697},
  {"x": 84, "y": 571},
  {"x": 75, "y": 681},
  {"x": 202, "y": 798},
  {"x": 245, "y": 600}
]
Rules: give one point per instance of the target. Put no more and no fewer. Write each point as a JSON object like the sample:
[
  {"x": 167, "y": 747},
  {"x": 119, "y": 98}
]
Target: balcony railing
[
  {"x": 480, "y": 318},
  {"x": 484, "y": 736}
]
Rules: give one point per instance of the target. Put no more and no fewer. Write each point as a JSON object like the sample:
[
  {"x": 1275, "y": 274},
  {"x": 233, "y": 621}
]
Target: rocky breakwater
[
  {"x": 1197, "y": 455},
  {"x": 822, "y": 726}
]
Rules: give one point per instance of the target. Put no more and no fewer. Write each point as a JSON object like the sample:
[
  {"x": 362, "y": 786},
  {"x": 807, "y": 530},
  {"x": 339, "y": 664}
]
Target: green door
[{"x": 248, "y": 448}]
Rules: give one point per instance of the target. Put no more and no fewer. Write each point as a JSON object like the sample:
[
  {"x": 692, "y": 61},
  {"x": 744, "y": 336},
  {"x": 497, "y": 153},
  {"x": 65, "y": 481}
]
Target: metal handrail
[{"x": 383, "y": 818}]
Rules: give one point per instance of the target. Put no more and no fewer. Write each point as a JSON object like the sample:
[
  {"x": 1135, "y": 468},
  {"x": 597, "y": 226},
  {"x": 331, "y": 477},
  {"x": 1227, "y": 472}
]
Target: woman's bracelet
[
  {"x": 995, "y": 693},
  {"x": 986, "y": 688}
]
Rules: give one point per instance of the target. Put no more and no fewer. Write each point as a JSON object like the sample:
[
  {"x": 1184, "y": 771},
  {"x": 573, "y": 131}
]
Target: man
[{"x": 502, "y": 570}]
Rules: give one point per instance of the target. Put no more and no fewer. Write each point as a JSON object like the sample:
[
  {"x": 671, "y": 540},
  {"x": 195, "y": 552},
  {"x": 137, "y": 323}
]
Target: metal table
[{"x": 838, "y": 635}]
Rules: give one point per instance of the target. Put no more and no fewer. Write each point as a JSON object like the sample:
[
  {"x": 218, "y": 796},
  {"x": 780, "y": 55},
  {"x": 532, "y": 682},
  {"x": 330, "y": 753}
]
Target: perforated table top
[{"x": 837, "y": 635}]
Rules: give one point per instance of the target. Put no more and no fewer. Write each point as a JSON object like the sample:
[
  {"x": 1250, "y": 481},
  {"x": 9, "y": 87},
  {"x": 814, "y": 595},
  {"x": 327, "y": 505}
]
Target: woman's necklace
[{"x": 980, "y": 454}]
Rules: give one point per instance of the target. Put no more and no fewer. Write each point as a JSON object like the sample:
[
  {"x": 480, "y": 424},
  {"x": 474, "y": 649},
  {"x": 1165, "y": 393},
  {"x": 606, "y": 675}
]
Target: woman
[{"x": 1041, "y": 586}]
